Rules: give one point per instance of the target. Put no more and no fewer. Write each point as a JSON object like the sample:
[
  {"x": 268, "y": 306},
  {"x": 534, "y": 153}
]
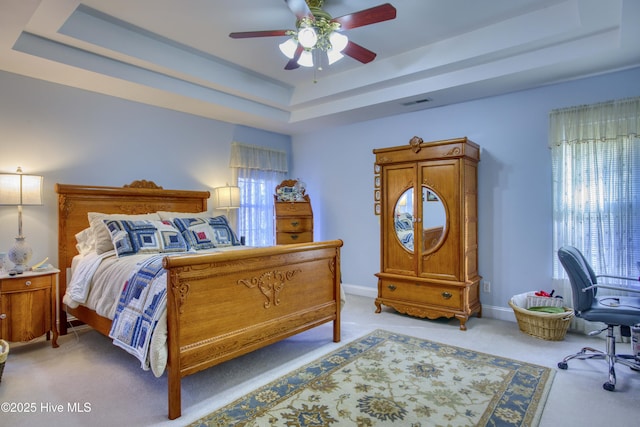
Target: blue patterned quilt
[{"x": 141, "y": 303}]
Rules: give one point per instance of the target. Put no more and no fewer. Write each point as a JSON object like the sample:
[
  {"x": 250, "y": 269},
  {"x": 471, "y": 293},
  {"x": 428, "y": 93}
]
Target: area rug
[{"x": 392, "y": 379}]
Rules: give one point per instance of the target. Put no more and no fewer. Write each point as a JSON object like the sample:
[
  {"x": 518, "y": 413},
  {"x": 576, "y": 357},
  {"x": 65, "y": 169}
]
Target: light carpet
[{"x": 391, "y": 379}]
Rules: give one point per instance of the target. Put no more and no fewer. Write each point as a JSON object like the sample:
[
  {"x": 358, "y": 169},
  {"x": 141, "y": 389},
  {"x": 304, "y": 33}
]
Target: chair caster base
[
  {"x": 563, "y": 365},
  {"x": 608, "y": 386}
]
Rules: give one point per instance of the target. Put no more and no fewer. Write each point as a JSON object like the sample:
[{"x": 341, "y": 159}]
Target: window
[
  {"x": 258, "y": 170},
  {"x": 596, "y": 184}
]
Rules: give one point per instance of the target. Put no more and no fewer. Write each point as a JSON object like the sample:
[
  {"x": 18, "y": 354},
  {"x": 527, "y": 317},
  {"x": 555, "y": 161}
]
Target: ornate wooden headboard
[{"x": 139, "y": 197}]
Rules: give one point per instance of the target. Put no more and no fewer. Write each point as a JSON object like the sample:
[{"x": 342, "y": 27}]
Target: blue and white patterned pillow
[
  {"x": 196, "y": 232},
  {"x": 223, "y": 232},
  {"x": 145, "y": 236},
  {"x": 206, "y": 232}
]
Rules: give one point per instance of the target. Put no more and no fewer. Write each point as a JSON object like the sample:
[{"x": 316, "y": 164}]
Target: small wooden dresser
[
  {"x": 294, "y": 217},
  {"x": 28, "y": 305}
]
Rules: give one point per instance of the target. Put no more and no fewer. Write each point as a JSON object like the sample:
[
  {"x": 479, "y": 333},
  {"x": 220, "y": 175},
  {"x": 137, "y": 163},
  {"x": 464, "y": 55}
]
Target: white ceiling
[{"x": 177, "y": 54}]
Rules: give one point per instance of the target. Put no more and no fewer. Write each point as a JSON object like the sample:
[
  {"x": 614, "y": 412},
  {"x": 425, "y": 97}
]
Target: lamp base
[{"x": 20, "y": 254}]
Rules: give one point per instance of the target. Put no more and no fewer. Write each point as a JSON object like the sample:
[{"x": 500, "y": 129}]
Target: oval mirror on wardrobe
[
  {"x": 434, "y": 220},
  {"x": 403, "y": 218}
]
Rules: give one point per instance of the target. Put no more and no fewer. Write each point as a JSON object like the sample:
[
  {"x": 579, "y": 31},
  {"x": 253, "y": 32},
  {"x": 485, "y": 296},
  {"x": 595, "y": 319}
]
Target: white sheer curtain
[
  {"x": 258, "y": 171},
  {"x": 595, "y": 152}
]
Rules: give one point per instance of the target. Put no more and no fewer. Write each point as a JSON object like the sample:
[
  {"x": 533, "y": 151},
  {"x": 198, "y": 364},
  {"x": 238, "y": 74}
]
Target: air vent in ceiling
[{"x": 417, "y": 101}]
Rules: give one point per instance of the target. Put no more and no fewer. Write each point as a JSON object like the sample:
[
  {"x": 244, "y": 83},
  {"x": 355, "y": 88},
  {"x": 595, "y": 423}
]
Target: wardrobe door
[
  {"x": 440, "y": 183},
  {"x": 399, "y": 219}
]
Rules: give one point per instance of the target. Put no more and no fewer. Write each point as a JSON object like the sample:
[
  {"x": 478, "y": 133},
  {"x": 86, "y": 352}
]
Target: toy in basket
[
  {"x": 540, "y": 324},
  {"x": 4, "y": 352}
]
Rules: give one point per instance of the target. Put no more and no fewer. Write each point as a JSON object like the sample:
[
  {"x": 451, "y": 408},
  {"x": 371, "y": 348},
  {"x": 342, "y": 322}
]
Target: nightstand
[{"x": 28, "y": 305}]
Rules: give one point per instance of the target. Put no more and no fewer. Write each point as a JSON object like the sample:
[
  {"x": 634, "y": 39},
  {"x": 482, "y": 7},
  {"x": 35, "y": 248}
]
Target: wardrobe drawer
[{"x": 421, "y": 293}]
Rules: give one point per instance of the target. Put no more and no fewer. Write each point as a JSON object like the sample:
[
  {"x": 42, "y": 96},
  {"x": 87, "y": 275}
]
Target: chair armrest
[
  {"x": 631, "y": 279},
  {"x": 617, "y": 288}
]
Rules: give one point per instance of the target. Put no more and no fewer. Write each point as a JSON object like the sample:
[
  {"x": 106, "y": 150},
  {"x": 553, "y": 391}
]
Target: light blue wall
[
  {"x": 73, "y": 136},
  {"x": 514, "y": 178}
]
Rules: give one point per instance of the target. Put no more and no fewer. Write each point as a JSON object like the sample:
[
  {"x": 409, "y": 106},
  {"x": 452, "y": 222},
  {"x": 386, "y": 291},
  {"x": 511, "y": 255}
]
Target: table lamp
[{"x": 17, "y": 189}]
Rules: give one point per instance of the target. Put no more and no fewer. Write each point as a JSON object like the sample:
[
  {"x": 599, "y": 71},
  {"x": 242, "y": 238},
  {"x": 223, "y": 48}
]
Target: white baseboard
[
  {"x": 488, "y": 311},
  {"x": 363, "y": 291}
]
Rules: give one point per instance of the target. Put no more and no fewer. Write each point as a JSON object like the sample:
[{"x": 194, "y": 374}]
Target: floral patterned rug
[{"x": 388, "y": 379}]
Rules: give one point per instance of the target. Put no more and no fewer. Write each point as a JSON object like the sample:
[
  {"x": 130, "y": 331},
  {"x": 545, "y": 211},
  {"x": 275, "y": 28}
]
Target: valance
[
  {"x": 603, "y": 121},
  {"x": 256, "y": 157}
]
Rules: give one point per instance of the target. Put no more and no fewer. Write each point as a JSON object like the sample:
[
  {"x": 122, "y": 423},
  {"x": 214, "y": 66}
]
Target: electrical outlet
[{"x": 486, "y": 286}]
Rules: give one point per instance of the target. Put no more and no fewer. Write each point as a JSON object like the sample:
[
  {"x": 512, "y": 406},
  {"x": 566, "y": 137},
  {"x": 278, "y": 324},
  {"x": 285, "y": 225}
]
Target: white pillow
[
  {"x": 85, "y": 241},
  {"x": 101, "y": 233}
]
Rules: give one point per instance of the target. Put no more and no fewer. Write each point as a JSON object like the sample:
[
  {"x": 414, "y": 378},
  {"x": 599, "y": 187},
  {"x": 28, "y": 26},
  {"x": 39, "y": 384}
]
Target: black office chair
[{"x": 610, "y": 310}]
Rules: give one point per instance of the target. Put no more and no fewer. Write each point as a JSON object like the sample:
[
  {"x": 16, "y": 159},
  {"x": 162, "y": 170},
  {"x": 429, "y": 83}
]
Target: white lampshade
[
  {"x": 288, "y": 48},
  {"x": 18, "y": 189},
  {"x": 307, "y": 37},
  {"x": 338, "y": 41},
  {"x": 227, "y": 197},
  {"x": 306, "y": 59}
]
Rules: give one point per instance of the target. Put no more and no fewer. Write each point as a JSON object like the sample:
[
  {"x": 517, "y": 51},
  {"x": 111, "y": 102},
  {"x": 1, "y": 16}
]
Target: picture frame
[{"x": 431, "y": 196}]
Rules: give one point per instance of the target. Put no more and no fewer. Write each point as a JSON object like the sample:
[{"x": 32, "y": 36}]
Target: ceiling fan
[{"x": 317, "y": 32}]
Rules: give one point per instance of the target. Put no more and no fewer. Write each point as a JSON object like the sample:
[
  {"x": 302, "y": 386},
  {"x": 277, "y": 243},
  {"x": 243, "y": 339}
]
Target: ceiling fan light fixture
[
  {"x": 334, "y": 56},
  {"x": 307, "y": 37},
  {"x": 338, "y": 41},
  {"x": 288, "y": 48},
  {"x": 306, "y": 59}
]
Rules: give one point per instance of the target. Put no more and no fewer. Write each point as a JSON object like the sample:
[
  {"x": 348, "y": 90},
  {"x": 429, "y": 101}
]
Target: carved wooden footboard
[
  {"x": 219, "y": 305},
  {"x": 224, "y": 305}
]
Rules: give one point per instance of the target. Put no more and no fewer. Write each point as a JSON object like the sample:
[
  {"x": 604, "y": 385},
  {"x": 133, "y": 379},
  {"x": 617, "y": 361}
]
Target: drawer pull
[
  {"x": 295, "y": 223},
  {"x": 447, "y": 295},
  {"x": 391, "y": 287},
  {"x": 28, "y": 283},
  {"x": 3, "y": 316},
  {"x": 294, "y": 237}
]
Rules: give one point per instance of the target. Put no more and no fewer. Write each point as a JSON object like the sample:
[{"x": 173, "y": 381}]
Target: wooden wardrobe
[{"x": 426, "y": 195}]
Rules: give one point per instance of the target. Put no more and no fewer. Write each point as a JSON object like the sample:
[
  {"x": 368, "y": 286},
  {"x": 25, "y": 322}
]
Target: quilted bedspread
[{"x": 141, "y": 304}]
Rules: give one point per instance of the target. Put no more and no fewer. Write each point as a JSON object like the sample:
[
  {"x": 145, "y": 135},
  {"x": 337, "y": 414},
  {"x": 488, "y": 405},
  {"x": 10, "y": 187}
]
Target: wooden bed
[{"x": 219, "y": 306}]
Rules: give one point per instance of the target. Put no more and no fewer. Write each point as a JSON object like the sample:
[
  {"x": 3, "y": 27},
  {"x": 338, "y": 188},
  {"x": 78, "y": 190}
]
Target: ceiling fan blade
[
  {"x": 249, "y": 34},
  {"x": 359, "y": 53},
  {"x": 384, "y": 12},
  {"x": 299, "y": 8},
  {"x": 293, "y": 62}
]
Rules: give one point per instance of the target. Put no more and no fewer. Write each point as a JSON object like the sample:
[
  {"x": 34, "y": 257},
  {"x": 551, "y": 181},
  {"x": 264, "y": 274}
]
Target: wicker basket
[
  {"x": 4, "y": 352},
  {"x": 535, "y": 301},
  {"x": 547, "y": 326}
]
